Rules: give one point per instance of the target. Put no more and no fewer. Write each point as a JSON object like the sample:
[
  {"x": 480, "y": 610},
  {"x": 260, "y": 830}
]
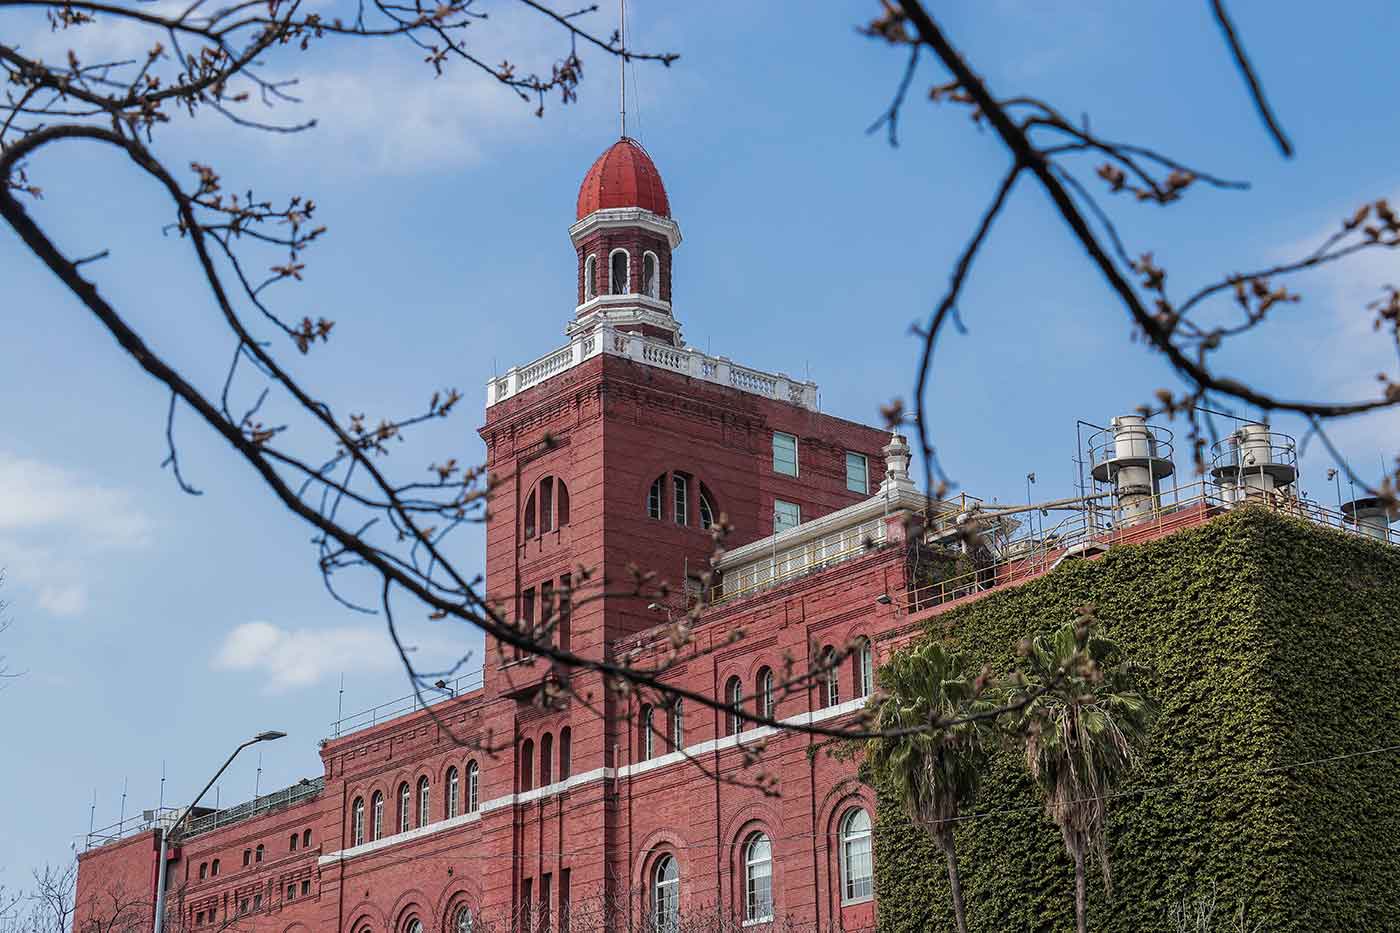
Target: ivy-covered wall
[{"x": 1268, "y": 642}]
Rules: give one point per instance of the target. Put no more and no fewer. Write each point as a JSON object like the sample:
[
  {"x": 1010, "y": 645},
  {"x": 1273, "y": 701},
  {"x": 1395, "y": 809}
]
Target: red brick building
[{"x": 619, "y": 451}]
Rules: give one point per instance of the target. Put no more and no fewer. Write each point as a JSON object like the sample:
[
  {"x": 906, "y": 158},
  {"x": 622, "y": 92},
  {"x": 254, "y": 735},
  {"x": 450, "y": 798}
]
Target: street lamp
[{"x": 165, "y": 833}]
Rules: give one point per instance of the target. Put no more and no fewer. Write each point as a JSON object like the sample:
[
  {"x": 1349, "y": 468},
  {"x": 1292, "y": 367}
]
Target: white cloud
[
  {"x": 291, "y": 658},
  {"x": 57, "y": 527},
  {"x": 42, "y": 496}
]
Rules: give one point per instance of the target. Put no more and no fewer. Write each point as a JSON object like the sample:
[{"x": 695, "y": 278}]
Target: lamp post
[{"x": 165, "y": 833}]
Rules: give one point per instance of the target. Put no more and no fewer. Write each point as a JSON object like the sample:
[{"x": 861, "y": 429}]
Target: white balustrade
[{"x": 652, "y": 352}]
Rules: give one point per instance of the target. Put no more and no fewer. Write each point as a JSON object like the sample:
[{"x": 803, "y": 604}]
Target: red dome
[{"x": 624, "y": 176}]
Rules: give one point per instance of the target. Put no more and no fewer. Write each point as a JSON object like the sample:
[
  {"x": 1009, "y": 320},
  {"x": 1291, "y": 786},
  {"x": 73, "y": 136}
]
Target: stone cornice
[{"x": 612, "y": 218}]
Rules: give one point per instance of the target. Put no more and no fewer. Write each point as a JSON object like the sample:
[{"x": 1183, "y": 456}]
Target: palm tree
[
  {"x": 1082, "y": 725},
  {"x": 935, "y": 771}
]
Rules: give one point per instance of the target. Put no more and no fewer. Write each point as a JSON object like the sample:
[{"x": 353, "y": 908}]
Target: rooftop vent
[
  {"x": 1371, "y": 516},
  {"x": 1254, "y": 461},
  {"x": 1133, "y": 456}
]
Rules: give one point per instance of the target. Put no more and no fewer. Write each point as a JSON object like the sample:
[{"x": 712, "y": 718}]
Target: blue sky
[{"x": 154, "y": 627}]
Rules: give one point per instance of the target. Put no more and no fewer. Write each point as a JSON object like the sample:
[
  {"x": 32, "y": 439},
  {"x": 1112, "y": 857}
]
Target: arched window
[
  {"x": 546, "y": 504},
  {"x": 831, "y": 677},
  {"x": 546, "y": 760},
  {"x": 645, "y": 744},
  {"x": 758, "y": 878},
  {"x": 530, "y": 516},
  {"x": 734, "y": 696},
  {"x": 566, "y": 752},
  {"x": 856, "y": 868},
  {"x": 357, "y": 823},
  {"x": 452, "y": 800},
  {"x": 666, "y": 895},
  {"x": 425, "y": 800},
  {"x": 707, "y": 508},
  {"x": 651, "y": 278},
  {"x": 527, "y": 764},
  {"x": 203, "y": 870},
  {"x": 654, "y": 495},
  {"x": 414, "y": 925},
  {"x": 292, "y": 843},
  {"x": 562, "y": 504},
  {"x": 306, "y": 839},
  {"x": 590, "y": 279},
  {"x": 247, "y": 857},
  {"x": 677, "y": 726},
  {"x": 681, "y": 484},
  {"x": 258, "y": 852},
  {"x": 462, "y": 919},
  {"x": 473, "y": 786},
  {"x": 767, "y": 701},
  {"x": 376, "y": 818},
  {"x": 214, "y": 869},
  {"x": 865, "y": 668},
  {"x": 405, "y": 808},
  {"x": 619, "y": 269}
]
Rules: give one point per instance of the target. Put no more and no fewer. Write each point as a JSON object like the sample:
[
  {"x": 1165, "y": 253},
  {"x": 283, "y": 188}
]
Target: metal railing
[
  {"x": 1096, "y": 529},
  {"x": 393, "y": 709},
  {"x": 142, "y": 822},
  {"x": 250, "y": 808}
]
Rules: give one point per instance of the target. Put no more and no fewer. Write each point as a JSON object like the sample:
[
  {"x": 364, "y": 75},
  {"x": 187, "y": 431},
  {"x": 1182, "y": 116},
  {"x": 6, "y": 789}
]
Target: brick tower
[{"x": 616, "y": 454}]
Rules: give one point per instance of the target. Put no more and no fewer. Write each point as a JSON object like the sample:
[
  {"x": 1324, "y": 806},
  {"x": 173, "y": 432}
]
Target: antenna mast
[{"x": 622, "y": 65}]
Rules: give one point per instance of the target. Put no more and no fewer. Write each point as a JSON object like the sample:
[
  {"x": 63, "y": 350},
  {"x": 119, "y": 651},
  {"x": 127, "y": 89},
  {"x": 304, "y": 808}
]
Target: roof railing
[{"x": 402, "y": 706}]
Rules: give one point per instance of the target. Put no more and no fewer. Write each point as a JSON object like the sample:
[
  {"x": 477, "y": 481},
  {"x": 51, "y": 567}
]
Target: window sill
[
  {"x": 854, "y": 902},
  {"x": 758, "y": 922}
]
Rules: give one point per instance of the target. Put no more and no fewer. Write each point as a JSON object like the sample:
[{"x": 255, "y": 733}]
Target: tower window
[
  {"x": 473, "y": 786},
  {"x": 530, "y": 516},
  {"x": 677, "y": 726},
  {"x": 857, "y": 473},
  {"x": 590, "y": 277},
  {"x": 450, "y": 798},
  {"x": 865, "y": 668},
  {"x": 681, "y": 483},
  {"x": 856, "y": 873},
  {"x": 734, "y": 696},
  {"x": 527, "y": 764},
  {"x": 425, "y": 813},
  {"x": 784, "y": 453},
  {"x": 766, "y": 700},
  {"x": 546, "y": 760},
  {"x": 561, "y": 504},
  {"x": 618, "y": 271},
  {"x": 566, "y": 583},
  {"x": 566, "y": 751},
  {"x": 758, "y": 879},
  {"x": 647, "y": 746},
  {"x": 405, "y": 807},
  {"x": 785, "y": 515},
  {"x": 651, "y": 279},
  {"x": 357, "y": 823},
  {"x": 546, "y": 504},
  {"x": 831, "y": 679},
  {"x": 376, "y": 810},
  {"x": 654, "y": 497},
  {"x": 707, "y": 508}
]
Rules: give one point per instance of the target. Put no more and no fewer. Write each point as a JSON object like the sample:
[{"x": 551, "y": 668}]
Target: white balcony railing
[{"x": 687, "y": 361}]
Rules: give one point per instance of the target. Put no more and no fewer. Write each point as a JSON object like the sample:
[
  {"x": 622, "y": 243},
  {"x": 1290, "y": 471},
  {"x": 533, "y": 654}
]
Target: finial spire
[{"x": 622, "y": 65}]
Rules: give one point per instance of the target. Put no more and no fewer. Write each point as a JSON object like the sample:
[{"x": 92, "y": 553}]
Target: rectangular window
[
  {"x": 257, "y": 902},
  {"x": 566, "y": 583},
  {"x": 291, "y": 892},
  {"x": 785, "y": 515},
  {"x": 527, "y": 615},
  {"x": 546, "y": 882},
  {"x": 682, "y": 487},
  {"x": 306, "y": 887},
  {"x": 784, "y": 454},
  {"x": 857, "y": 473},
  {"x": 564, "y": 900},
  {"x": 547, "y": 607},
  {"x": 527, "y": 897}
]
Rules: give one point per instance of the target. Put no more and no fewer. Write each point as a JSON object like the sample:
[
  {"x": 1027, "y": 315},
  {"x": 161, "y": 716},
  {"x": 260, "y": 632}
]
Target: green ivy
[{"x": 1267, "y": 641}]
